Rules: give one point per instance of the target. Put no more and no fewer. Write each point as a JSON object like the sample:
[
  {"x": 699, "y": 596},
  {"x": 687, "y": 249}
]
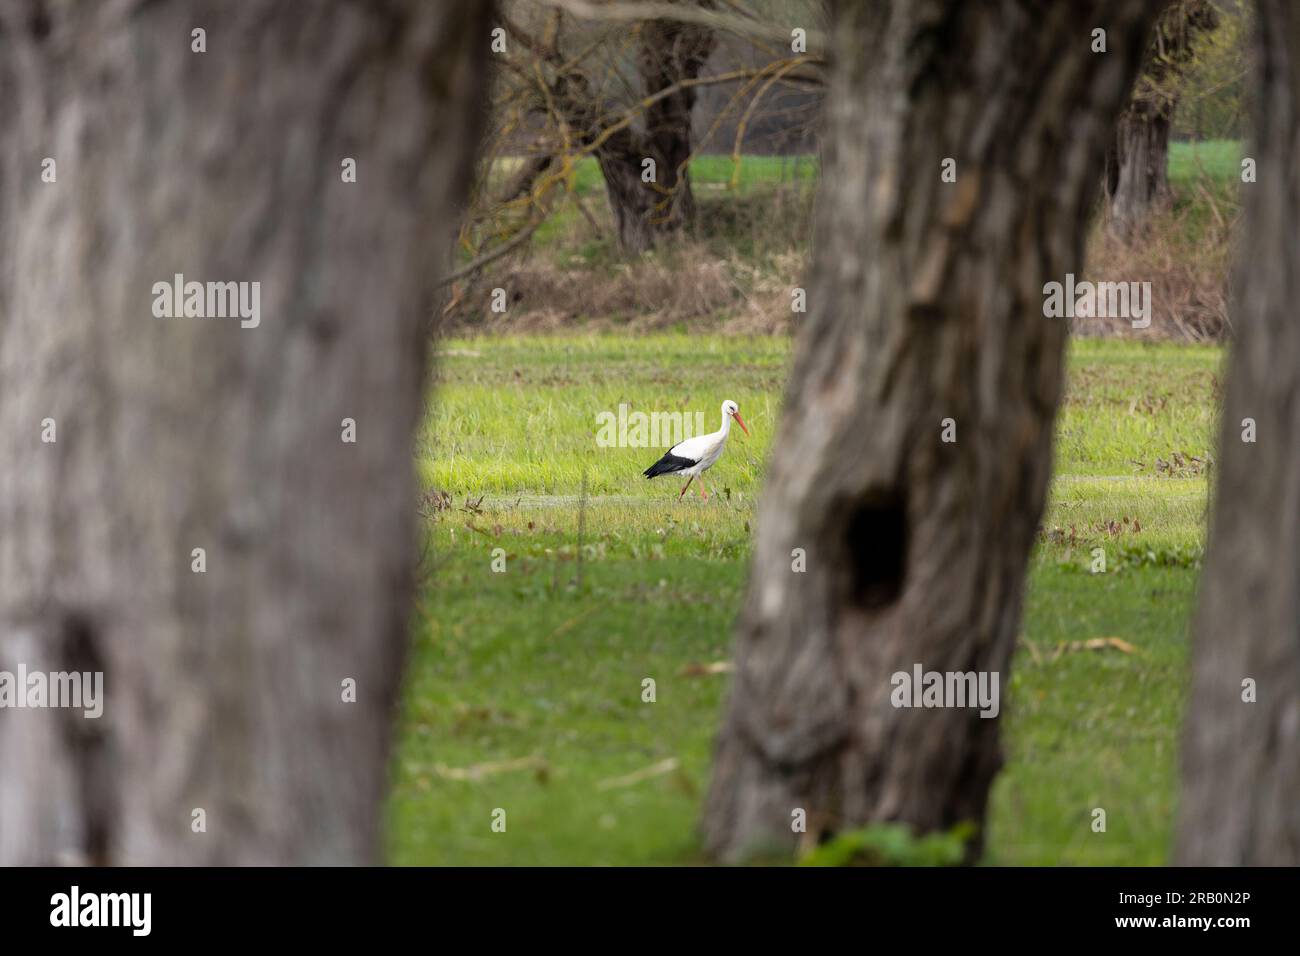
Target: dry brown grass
[
  {"x": 687, "y": 285},
  {"x": 1188, "y": 263},
  {"x": 735, "y": 275}
]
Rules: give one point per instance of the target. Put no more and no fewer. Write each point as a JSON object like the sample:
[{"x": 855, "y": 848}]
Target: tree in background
[
  {"x": 1213, "y": 101},
  {"x": 915, "y": 443},
  {"x": 582, "y": 81},
  {"x": 1137, "y": 162},
  {"x": 668, "y": 57},
  {"x": 179, "y": 506},
  {"x": 1241, "y": 750}
]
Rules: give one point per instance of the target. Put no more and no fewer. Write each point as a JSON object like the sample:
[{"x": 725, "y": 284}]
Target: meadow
[
  {"x": 733, "y": 273},
  {"x": 524, "y": 691},
  {"x": 1217, "y": 160},
  {"x": 525, "y": 687}
]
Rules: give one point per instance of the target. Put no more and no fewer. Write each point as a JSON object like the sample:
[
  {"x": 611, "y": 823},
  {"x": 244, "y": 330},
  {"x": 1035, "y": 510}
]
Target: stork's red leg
[
  {"x": 703, "y": 493},
  {"x": 685, "y": 486}
]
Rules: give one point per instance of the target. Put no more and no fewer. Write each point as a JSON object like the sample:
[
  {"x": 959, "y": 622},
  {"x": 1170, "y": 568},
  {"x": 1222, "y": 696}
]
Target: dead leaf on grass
[
  {"x": 479, "y": 771},
  {"x": 637, "y": 776},
  {"x": 1095, "y": 644},
  {"x": 703, "y": 670}
]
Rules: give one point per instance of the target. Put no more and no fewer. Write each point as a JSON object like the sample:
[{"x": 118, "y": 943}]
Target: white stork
[{"x": 696, "y": 455}]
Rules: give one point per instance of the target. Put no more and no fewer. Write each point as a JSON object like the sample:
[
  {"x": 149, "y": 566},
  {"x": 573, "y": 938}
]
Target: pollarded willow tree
[
  {"x": 567, "y": 91},
  {"x": 925, "y": 317},
  {"x": 1241, "y": 755},
  {"x": 188, "y": 445},
  {"x": 1137, "y": 162},
  {"x": 605, "y": 82}
]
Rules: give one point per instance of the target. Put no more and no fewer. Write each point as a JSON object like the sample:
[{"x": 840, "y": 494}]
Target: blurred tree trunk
[
  {"x": 926, "y": 303},
  {"x": 1241, "y": 757},
  {"x": 224, "y": 689}
]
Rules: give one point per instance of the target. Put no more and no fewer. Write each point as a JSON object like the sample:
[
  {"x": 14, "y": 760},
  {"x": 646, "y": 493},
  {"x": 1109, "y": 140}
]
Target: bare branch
[
  {"x": 622, "y": 12},
  {"x": 518, "y": 239}
]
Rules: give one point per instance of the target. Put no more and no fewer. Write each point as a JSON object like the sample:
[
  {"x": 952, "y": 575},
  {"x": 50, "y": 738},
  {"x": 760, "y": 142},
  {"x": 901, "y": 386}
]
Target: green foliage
[
  {"x": 1179, "y": 30},
  {"x": 1214, "y": 86},
  {"x": 892, "y": 844}
]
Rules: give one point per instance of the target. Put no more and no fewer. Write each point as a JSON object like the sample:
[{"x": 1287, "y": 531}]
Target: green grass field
[
  {"x": 524, "y": 690},
  {"x": 726, "y": 192},
  {"x": 1217, "y": 160},
  {"x": 754, "y": 220}
]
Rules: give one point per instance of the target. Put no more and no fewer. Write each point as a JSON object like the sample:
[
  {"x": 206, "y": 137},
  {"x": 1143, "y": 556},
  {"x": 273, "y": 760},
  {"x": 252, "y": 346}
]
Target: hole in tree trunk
[
  {"x": 39, "y": 23},
  {"x": 89, "y": 742},
  {"x": 875, "y": 538}
]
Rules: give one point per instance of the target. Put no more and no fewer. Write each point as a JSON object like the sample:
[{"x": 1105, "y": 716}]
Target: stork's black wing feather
[{"x": 669, "y": 464}]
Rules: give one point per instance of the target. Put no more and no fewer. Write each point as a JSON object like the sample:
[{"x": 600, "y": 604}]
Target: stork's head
[{"x": 731, "y": 408}]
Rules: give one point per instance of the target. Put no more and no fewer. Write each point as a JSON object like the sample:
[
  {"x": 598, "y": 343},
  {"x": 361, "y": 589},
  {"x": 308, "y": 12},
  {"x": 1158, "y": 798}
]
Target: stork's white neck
[{"x": 726, "y": 425}]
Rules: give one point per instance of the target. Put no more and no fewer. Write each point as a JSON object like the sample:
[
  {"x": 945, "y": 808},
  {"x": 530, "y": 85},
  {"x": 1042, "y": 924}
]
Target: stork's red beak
[{"x": 740, "y": 421}]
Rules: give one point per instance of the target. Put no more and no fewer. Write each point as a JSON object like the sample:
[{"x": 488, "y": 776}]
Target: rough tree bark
[
  {"x": 1137, "y": 166},
  {"x": 1241, "y": 760},
  {"x": 1137, "y": 162},
  {"x": 926, "y": 303},
  {"x": 645, "y": 212},
  {"x": 224, "y": 688},
  {"x": 668, "y": 52}
]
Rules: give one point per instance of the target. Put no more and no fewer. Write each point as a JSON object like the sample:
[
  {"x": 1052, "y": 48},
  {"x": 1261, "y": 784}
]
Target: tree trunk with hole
[
  {"x": 926, "y": 316},
  {"x": 224, "y": 690},
  {"x": 1241, "y": 751},
  {"x": 1137, "y": 167}
]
